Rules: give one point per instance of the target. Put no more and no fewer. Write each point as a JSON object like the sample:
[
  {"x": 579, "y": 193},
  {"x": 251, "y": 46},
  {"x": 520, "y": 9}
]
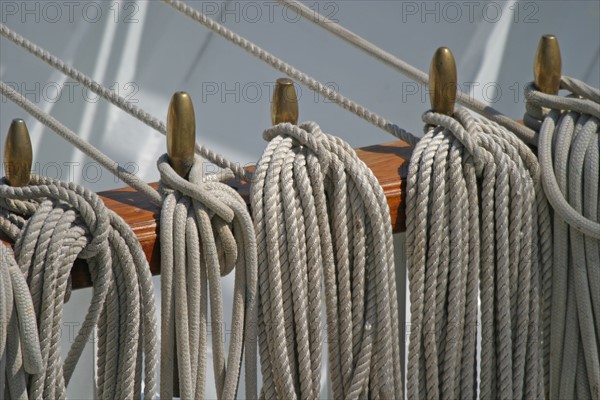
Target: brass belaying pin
[
  {"x": 442, "y": 81},
  {"x": 284, "y": 106},
  {"x": 18, "y": 154},
  {"x": 548, "y": 65},
  {"x": 181, "y": 133}
]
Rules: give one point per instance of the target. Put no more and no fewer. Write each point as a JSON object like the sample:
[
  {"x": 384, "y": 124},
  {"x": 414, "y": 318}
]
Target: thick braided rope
[
  {"x": 474, "y": 221},
  {"x": 112, "y": 97},
  {"x": 569, "y": 152},
  {"x": 292, "y": 72},
  {"x": 65, "y": 222},
  {"x": 588, "y": 106},
  {"x": 321, "y": 215},
  {"x": 19, "y": 343},
  {"x": 206, "y": 231}
]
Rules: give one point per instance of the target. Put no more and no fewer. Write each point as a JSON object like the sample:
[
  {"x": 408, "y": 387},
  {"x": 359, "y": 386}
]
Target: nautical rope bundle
[
  {"x": 569, "y": 150},
  {"x": 19, "y": 342},
  {"x": 205, "y": 231},
  {"x": 478, "y": 227},
  {"x": 53, "y": 223},
  {"x": 321, "y": 216}
]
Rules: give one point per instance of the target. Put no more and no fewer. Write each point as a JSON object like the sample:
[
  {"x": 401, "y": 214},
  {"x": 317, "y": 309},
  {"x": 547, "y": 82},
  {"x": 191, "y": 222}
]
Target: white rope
[
  {"x": 19, "y": 343},
  {"x": 556, "y": 196},
  {"x": 55, "y": 224},
  {"x": 321, "y": 216},
  {"x": 70, "y": 136},
  {"x": 225, "y": 204},
  {"x": 569, "y": 152},
  {"x": 292, "y": 72},
  {"x": 403, "y": 67},
  {"x": 205, "y": 230},
  {"x": 380, "y": 376},
  {"x": 112, "y": 97},
  {"x": 476, "y": 219}
]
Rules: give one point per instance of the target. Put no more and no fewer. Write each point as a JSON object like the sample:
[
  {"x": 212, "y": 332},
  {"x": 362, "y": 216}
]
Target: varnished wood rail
[{"x": 389, "y": 162}]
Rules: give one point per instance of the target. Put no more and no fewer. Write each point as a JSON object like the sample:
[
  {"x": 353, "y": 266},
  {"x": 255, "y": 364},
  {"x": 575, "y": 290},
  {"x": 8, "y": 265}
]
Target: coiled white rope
[
  {"x": 358, "y": 378},
  {"x": 205, "y": 231},
  {"x": 478, "y": 227},
  {"x": 54, "y": 223},
  {"x": 405, "y": 68},
  {"x": 226, "y": 205},
  {"x": 19, "y": 343},
  {"x": 321, "y": 216},
  {"x": 224, "y": 212},
  {"x": 569, "y": 149}
]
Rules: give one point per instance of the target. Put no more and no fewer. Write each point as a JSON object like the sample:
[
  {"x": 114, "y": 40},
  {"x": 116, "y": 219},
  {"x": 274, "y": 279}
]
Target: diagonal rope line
[
  {"x": 113, "y": 98},
  {"x": 81, "y": 144},
  {"x": 293, "y": 73},
  {"x": 406, "y": 69}
]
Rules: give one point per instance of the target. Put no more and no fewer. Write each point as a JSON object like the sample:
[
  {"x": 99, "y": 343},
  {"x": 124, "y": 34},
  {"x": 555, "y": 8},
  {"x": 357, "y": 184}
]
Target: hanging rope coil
[
  {"x": 112, "y": 166},
  {"x": 321, "y": 216},
  {"x": 205, "y": 231},
  {"x": 19, "y": 342},
  {"x": 54, "y": 223},
  {"x": 478, "y": 228},
  {"x": 569, "y": 150}
]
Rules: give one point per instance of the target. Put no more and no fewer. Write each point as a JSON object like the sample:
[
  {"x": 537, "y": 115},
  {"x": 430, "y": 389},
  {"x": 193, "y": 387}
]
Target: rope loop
[
  {"x": 196, "y": 190},
  {"x": 555, "y": 115},
  {"x": 61, "y": 222},
  {"x": 89, "y": 206},
  {"x": 308, "y": 134},
  {"x": 478, "y": 238},
  {"x": 18, "y": 330},
  {"x": 467, "y": 130},
  {"x": 569, "y": 157},
  {"x": 206, "y": 232},
  {"x": 324, "y": 237},
  {"x": 585, "y": 99}
]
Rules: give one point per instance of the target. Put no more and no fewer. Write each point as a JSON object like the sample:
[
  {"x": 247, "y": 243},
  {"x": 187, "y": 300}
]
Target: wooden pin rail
[{"x": 389, "y": 162}]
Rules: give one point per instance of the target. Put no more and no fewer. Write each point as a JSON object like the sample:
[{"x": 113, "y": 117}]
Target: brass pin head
[
  {"x": 548, "y": 65},
  {"x": 284, "y": 107},
  {"x": 18, "y": 154},
  {"x": 181, "y": 133},
  {"x": 442, "y": 81}
]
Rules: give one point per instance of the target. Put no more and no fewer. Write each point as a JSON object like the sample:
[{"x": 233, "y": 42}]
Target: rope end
[{"x": 18, "y": 154}]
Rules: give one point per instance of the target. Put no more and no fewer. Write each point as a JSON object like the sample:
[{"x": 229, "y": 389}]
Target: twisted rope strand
[
  {"x": 568, "y": 150},
  {"x": 206, "y": 230},
  {"x": 67, "y": 222},
  {"x": 312, "y": 182},
  {"x": 112, "y": 97},
  {"x": 493, "y": 223},
  {"x": 292, "y": 72}
]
